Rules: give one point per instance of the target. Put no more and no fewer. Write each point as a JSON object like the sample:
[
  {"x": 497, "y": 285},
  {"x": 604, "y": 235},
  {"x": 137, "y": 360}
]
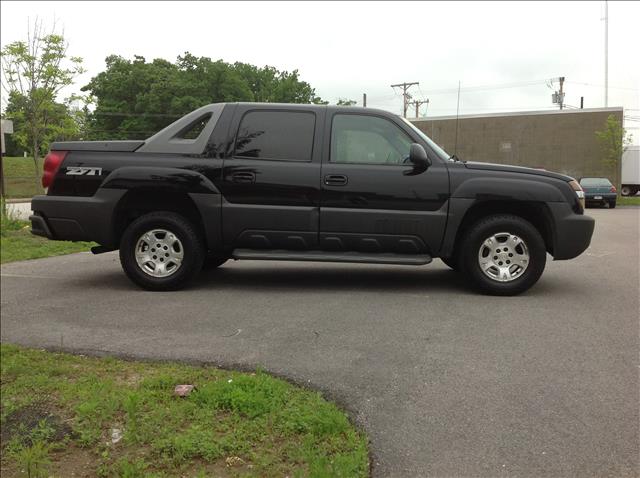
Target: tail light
[
  {"x": 613, "y": 189},
  {"x": 52, "y": 162}
]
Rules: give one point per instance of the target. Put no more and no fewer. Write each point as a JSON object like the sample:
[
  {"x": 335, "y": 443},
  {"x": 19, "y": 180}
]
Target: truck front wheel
[
  {"x": 503, "y": 255},
  {"x": 161, "y": 251}
]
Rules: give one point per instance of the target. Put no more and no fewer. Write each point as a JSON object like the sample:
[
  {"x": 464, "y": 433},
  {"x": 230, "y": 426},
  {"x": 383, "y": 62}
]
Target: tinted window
[
  {"x": 595, "y": 182},
  {"x": 276, "y": 135},
  {"x": 368, "y": 139},
  {"x": 194, "y": 129}
]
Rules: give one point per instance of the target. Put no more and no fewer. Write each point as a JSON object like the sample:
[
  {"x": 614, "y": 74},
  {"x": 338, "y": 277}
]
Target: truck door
[
  {"x": 373, "y": 200},
  {"x": 271, "y": 178}
]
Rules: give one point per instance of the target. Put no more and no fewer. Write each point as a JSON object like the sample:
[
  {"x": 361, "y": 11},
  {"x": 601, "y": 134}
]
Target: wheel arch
[
  {"x": 202, "y": 210},
  {"x": 537, "y": 213}
]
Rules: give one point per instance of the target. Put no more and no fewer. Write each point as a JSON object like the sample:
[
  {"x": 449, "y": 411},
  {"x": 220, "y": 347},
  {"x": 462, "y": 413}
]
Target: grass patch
[
  {"x": 628, "y": 201},
  {"x": 18, "y": 244},
  {"x": 20, "y": 178},
  {"x": 233, "y": 424}
]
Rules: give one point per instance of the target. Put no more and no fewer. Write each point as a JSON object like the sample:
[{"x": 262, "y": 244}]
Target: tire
[
  {"x": 213, "y": 262},
  {"x": 612, "y": 204},
  {"x": 626, "y": 191},
  {"x": 523, "y": 240},
  {"x": 451, "y": 262},
  {"x": 180, "y": 242}
]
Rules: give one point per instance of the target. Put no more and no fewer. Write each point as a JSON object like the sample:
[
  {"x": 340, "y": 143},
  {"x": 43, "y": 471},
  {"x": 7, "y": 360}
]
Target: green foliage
[
  {"x": 345, "y": 102},
  {"x": 10, "y": 223},
  {"x": 262, "y": 425},
  {"x": 32, "y": 461},
  {"x": 250, "y": 396},
  {"x": 613, "y": 140},
  {"x": 132, "y": 469},
  {"x": 136, "y": 98},
  {"x": 59, "y": 122},
  {"x": 19, "y": 179},
  {"x": 628, "y": 201},
  {"x": 34, "y": 72},
  {"x": 18, "y": 244}
]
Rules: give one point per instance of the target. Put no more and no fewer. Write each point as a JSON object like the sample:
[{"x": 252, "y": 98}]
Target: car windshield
[
  {"x": 437, "y": 149},
  {"x": 592, "y": 182}
]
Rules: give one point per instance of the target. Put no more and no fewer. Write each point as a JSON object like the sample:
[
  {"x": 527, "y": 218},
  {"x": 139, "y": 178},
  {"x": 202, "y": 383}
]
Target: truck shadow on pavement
[{"x": 332, "y": 279}]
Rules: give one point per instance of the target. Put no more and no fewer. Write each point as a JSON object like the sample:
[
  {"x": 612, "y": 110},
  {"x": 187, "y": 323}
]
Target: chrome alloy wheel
[
  {"x": 159, "y": 253},
  {"x": 503, "y": 257}
]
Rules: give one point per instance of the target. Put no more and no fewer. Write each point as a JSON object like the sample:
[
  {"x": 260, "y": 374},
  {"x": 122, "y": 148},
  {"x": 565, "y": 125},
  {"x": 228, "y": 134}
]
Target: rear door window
[{"x": 276, "y": 135}]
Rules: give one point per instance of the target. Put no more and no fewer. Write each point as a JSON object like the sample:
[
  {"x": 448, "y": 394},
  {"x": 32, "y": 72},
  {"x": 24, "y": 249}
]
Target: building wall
[{"x": 561, "y": 141}]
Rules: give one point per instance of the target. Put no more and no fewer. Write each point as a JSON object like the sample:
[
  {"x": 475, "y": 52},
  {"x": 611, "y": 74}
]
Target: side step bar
[{"x": 327, "y": 256}]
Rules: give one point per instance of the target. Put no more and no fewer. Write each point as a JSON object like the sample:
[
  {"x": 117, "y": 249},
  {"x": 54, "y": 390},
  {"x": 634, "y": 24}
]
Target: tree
[
  {"x": 35, "y": 71},
  {"x": 136, "y": 98},
  {"x": 62, "y": 122},
  {"x": 345, "y": 102},
  {"x": 614, "y": 141}
]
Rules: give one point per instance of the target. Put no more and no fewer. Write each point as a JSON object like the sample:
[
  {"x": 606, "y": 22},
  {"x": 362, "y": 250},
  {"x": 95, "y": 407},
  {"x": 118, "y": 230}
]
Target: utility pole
[
  {"x": 558, "y": 96},
  {"x": 405, "y": 96},
  {"x": 6, "y": 127},
  {"x": 364, "y": 100},
  {"x": 417, "y": 104},
  {"x": 606, "y": 53}
]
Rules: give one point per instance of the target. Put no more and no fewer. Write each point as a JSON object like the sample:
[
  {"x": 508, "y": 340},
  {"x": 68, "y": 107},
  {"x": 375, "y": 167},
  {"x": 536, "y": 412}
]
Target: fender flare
[{"x": 204, "y": 194}]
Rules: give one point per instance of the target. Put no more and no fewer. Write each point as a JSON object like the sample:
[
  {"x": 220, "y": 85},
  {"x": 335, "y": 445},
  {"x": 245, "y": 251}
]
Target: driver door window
[{"x": 367, "y": 140}]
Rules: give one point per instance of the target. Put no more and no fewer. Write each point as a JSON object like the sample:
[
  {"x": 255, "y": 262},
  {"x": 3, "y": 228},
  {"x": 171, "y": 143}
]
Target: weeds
[{"x": 263, "y": 425}]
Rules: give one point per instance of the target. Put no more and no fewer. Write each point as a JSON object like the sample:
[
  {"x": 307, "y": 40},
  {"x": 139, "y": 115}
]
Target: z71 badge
[{"x": 81, "y": 171}]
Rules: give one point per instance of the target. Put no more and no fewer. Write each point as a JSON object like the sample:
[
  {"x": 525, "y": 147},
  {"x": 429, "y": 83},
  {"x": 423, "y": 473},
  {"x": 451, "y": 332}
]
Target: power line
[
  {"x": 487, "y": 87},
  {"x": 602, "y": 86}
]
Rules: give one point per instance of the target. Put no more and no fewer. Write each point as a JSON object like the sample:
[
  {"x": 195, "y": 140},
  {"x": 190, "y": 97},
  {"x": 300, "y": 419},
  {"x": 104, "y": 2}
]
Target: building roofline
[{"x": 521, "y": 113}]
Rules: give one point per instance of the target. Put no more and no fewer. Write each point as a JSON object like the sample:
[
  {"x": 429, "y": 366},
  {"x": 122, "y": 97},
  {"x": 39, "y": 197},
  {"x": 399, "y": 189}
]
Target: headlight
[{"x": 575, "y": 185}]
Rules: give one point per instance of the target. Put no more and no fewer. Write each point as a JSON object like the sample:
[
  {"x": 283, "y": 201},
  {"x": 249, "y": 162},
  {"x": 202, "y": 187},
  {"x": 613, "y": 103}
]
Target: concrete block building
[{"x": 562, "y": 140}]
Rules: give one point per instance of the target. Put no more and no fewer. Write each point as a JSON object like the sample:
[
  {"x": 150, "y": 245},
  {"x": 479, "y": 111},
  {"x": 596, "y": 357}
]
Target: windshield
[
  {"x": 595, "y": 182},
  {"x": 437, "y": 149}
]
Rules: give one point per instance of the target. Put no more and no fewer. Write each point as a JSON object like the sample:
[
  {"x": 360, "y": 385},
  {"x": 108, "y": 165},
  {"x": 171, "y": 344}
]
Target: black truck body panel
[
  {"x": 304, "y": 203},
  {"x": 103, "y": 146}
]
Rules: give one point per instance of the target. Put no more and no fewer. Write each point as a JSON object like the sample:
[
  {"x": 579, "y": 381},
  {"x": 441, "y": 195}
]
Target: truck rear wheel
[
  {"x": 161, "y": 251},
  {"x": 503, "y": 255}
]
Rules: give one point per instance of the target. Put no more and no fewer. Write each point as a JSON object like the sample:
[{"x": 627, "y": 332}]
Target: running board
[{"x": 327, "y": 256}]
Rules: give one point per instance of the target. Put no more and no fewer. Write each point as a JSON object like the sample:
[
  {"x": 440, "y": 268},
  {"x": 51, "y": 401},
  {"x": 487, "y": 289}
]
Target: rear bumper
[
  {"x": 67, "y": 218},
  {"x": 39, "y": 227},
  {"x": 591, "y": 197},
  {"x": 572, "y": 232}
]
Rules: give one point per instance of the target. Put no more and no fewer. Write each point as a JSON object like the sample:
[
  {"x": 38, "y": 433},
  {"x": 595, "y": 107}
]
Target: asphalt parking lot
[{"x": 445, "y": 382}]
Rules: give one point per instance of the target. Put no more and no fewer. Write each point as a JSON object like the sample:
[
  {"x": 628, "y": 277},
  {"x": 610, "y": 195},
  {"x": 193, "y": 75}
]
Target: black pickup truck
[{"x": 306, "y": 183}]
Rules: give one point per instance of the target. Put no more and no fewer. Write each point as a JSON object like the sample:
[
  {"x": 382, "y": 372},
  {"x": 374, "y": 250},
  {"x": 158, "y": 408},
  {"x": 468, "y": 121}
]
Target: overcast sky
[{"x": 346, "y": 49}]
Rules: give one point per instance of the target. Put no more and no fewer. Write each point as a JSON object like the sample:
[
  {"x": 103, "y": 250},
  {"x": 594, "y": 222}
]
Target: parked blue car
[{"x": 599, "y": 191}]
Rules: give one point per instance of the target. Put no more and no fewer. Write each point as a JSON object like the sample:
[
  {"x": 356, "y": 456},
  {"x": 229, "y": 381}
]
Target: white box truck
[{"x": 630, "y": 184}]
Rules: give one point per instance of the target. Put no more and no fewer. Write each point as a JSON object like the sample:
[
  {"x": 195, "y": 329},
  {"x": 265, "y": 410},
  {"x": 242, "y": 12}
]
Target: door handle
[
  {"x": 335, "y": 180},
  {"x": 244, "y": 177}
]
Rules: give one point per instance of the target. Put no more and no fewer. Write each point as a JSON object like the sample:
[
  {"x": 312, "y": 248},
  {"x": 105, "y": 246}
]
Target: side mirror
[{"x": 418, "y": 156}]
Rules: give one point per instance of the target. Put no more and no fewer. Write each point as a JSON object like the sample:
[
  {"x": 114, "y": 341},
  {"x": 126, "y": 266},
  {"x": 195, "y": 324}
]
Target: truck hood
[{"x": 515, "y": 169}]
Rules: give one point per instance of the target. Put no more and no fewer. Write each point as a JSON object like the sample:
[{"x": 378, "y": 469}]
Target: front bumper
[
  {"x": 68, "y": 218},
  {"x": 572, "y": 232}
]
